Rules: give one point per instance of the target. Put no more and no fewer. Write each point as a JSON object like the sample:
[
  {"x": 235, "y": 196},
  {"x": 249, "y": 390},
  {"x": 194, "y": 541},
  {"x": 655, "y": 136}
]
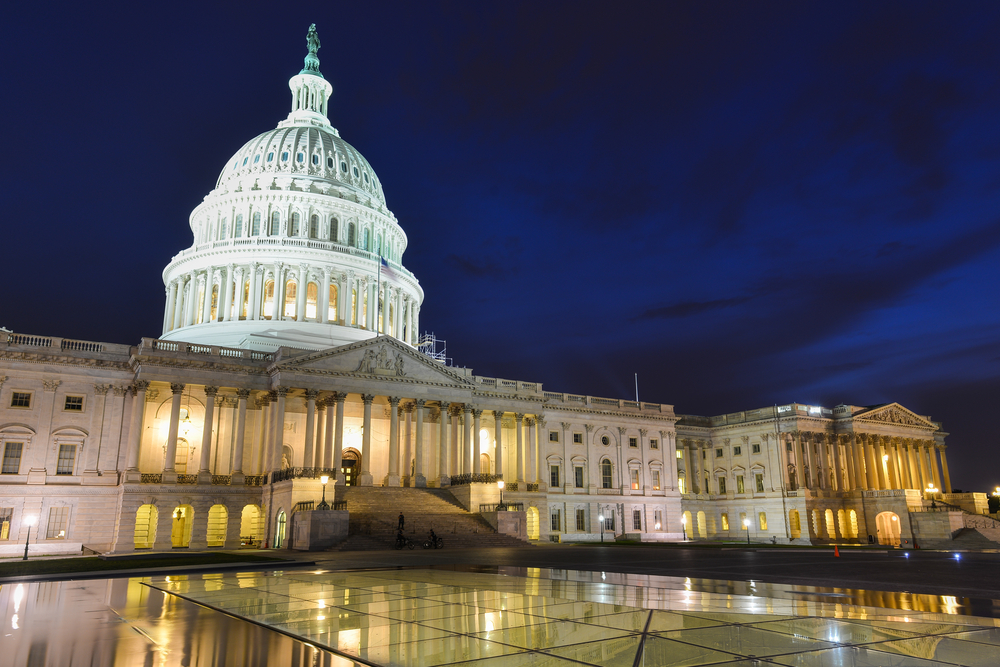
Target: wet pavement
[{"x": 489, "y": 615}]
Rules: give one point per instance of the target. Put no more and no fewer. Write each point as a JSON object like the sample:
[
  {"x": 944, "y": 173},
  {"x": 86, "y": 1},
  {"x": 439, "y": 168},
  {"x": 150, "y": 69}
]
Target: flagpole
[{"x": 378, "y": 289}]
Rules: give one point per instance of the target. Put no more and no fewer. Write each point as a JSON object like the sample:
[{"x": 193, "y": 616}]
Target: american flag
[{"x": 386, "y": 270}]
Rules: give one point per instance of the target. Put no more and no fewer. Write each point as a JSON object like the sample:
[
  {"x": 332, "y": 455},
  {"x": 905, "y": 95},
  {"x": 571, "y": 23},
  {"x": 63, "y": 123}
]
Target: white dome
[{"x": 294, "y": 246}]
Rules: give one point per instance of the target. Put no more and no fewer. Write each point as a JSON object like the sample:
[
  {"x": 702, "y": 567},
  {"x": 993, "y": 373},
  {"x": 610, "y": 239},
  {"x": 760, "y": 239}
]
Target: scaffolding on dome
[{"x": 436, "y": 349}]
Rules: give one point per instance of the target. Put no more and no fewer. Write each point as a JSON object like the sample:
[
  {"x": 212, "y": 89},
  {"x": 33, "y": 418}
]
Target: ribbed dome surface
[{"x": 303, "y": 151}]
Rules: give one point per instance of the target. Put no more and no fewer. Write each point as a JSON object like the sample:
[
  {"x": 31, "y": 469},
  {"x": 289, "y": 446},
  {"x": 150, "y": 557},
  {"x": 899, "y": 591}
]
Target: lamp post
[
  {"x": 323, "y": 504},
  {"x": 501, "y": 507},
  {"x": 600, "y": 519},
  {"x": 30, "y": 521},
  {"x": 746, "y": 527}
]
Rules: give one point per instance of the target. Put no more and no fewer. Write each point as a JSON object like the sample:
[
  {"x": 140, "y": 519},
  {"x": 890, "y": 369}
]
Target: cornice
[{"x": 66, "y": 360}]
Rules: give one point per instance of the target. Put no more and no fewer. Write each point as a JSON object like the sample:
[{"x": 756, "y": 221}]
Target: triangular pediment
[
  {"x": 894, "y": 414},
  {"x": 382, "y": 357}
]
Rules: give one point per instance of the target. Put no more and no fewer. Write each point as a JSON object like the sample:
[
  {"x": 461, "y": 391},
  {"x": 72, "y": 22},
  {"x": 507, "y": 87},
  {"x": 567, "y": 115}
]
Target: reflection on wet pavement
[{"x": 493, "y": 618}]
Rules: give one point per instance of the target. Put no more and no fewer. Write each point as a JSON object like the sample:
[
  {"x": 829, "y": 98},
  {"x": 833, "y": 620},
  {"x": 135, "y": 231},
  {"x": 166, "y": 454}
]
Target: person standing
[{"x": 402, "y": 521}]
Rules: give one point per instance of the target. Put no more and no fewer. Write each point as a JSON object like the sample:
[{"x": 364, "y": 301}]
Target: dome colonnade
[{"x": 296, "y": 229}]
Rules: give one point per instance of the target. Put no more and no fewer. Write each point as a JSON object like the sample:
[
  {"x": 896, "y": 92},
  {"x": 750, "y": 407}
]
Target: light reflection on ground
[{"x": 489, "y": 616}]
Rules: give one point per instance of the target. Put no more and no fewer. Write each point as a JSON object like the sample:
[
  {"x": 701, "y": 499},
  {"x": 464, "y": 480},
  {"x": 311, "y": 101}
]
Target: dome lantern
[{"x": 310, "y": 90}]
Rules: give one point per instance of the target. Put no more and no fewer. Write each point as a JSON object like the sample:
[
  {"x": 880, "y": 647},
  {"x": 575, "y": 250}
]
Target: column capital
[
  {"x": 243, "y": 393},
  {"x": 519, "y": 417},
  {"x": 101, "y": 389},
  {"x": 281, "y": 392},
  {"x": 444, "y": 406},
  {"x": 530, "y": 421},
  {"x": 644, "y": 431},
  {"x": 419, "y": 403},
  {"x": 176, "y": 388},
  {"x": 498, "y": 414},
  {"x": 211, "y": 391},
  {"x": 311, "y": 394},
  {"x": 540, "y": 422},
  {"x": 589, "y": 427},
  {"x": 367, "y": 398},
  {"x": 394, "y": 401},
  {"x": 565, "y": 425},
  {"x": 664, "y": 435},
  {"x": 338, "y": 396},
  {"x": 136, "y": 387},
  {"x": 477, "y": 413},
  {"x": 621, "y": 431},
  {"x": 408, "y": 408},
  {"x": 467, "y": 407}
]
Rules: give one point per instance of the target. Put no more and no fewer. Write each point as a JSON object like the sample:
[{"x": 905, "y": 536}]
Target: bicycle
[
  {"x": 403, "y": 541},
  {"x": 438, "y": 543}
]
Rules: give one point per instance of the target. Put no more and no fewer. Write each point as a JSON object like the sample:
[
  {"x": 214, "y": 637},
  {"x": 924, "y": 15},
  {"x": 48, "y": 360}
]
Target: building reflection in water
[{"x": 121, "y": 622}]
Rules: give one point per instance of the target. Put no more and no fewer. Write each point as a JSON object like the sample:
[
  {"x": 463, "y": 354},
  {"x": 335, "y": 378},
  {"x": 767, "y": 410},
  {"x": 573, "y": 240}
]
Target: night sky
[{"x": 745, "y": 203}]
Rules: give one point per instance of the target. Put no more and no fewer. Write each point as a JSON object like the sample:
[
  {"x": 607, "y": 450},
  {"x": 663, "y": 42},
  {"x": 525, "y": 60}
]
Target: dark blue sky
[{"x": 745, "y": 203}]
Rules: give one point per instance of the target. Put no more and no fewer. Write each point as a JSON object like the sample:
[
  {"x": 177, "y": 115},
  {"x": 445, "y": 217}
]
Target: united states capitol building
[{"x": 290, "y": 350}]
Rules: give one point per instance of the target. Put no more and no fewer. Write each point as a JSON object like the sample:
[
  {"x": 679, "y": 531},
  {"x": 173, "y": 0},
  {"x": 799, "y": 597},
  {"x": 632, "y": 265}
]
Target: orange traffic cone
[{"x": 836, "y": 551}]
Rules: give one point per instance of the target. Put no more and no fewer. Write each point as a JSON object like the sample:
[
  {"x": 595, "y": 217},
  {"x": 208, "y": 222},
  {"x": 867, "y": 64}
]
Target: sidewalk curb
[{"x": 144, "y": 572}]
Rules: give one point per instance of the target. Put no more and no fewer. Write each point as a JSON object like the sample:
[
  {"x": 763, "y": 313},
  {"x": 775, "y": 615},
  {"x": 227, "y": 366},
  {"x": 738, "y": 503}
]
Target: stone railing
[
  {"x": 55, "y": 343},
  {"x": 576, "y": 400},
  {"x": 254, "y": 480},
  {"x": 296, "y": 473},
  {"x": 532, "y": 487},
  {"x": 475, "y": 478},
  {"x": 884, "y": 493},
  {"x": 501, "y": 507},
  {"x": 151, "y": 478},
  {"x": 222, "y": 480},
  {"x": 155, "y": 347},
  {"x": 187, "y": 479}
]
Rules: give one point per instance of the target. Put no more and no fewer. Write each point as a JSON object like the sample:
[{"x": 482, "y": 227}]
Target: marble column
[
  {"x": 891, "y": 467},
  {"x": 443, "y": 477},
  {"x": 241, "y": 429},
  {"x": 254, "y": 309},
  {"x": 519, "y": 452},
  {"x": 323, "y": 298},
  {"x": 365, "y": 478},
  {"x": 205, "y": 286},
  {"x": 277, "y": 451},
  {"x": 326, "y": 461},
  {"x": 226, "y": 302},
  {"x": 944, "y": 469},
  {"x": 419, "y": 476},
  {"x": 338, "y": 438},
  {"x": 839, "y": 474},
  {"x": 810, "y": 477},
  {"x": 301, "y": 288},
  {"x": 407, "y": 454},
  {"x": 477, "y": 459},
  {"x": 178, "y": 320},
  {"x": 935, "y": 472},
  {"x": 392, "y": 478},
  {"x": 170, "y": 458},
  {"x": 871, "y": 467},
  {"x": 139, "y": 388},
  {"x": 318, "y": 452},
  {"x": 263, "y": 407},
  {"x": 538, "y": 458},
  {"x": 467, "y": 439},
  {"x": 308, "y": 459},
  {"x": 204, "y": 471},
  {"x": 498, "y": 436},
  {"x": 530, "y": 471},
  {"x": 880, "y": 464},
  {"x": 688, "y": 488},
  {"x": 168, "y": 313}
]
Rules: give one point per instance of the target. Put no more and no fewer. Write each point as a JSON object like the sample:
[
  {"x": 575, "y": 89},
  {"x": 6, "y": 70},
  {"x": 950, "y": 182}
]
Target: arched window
[
  {"x": 279, "y": 530},
  {"x": 238, "y": 232},
  {"x": 311, "y": 295},
  {"x": 289, "y": 311},
  {"x": 268, "y": 302},
  {"x": 294, "y": 231},
  {"x": 218, "y": 517},
  {"x": 314, "y": 226},
  {"x": 367, "y": 245},
  {"x": 275, "y": 224},
  {"x": 145, "y": 527},
  {"x": 183, "y": 522},
  {"x": 606, "y": 479},
  {"x": 286, "y": 457},
  {"x": 378, "y": 244},
  {"x": 251, "y": 528},
  {"x": 351, "y": 235},
  {"x": 354, "y": 308},
  {"x": 245, "y": 307},
  {"x": 223, "y": 224},
  {"x": 331, "y": 315},
  {"x": 334, "y": 231},
  {"x": 215, "y": 303},
  {"x": 255, "y": 230}
]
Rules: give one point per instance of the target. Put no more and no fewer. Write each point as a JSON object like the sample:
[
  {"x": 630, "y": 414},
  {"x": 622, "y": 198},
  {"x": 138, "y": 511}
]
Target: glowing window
[
  {"x": 290, "y": 288},
  {"x": 58, "y": 520},
  {"x": 331, "y": 313},
  {"x": 725, "y": 521},
  {"x": 268, "y": 304},
  {"x": 311, "y": 292},
  {"x": 656, "y": 480},
  {"x": 634, "y": 475}
]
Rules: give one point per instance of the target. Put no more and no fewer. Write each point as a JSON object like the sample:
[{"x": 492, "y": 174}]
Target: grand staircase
[{"x": 374, "y": 513}]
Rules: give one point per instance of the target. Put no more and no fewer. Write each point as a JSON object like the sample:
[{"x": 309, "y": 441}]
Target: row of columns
[
  {"x": 840, "y": 462},
  {"x": 242, "y": 296}
]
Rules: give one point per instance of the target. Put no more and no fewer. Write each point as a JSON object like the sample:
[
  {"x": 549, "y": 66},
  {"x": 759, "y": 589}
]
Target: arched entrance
[
  {"x": 887, "y": 524},
  {"x": 180, "y": 531},
  {"x": 218, "y": 517},
  {"x": 145, "y": 526},
  {"x": 279, "y": 530},
  {"x": 484, "y": 463},
  {"x": 794, "y": 524},
  {"x": 702, "y": 531},
  {"x": 251, "y": 531},
  {"x": 350, "y": 466},
  {"x": 532, "y": 521}
]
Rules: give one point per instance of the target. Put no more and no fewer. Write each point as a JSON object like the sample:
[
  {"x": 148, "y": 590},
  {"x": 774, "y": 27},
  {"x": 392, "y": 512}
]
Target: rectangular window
[
  {"x": 737, "y": 451},
  {"x": 788, "y": 446},
  {"x": 744, "y": 524},
  {"x": 58, "y": 520},
  {"x": 656, "y": 480},
  {"x": 739, "y": 484},
  {"x": 20, "y": 399},
  {"x": 636, "y": 520},
  {"x": 553, "y": 436},
  {"x": 581, "y": 520},
  {"x": 12, "y": 458},
  {"x": 759, "y": 479},
  {"x": 6, "y": 513},
  {"x": 556, "y": 523},
  {"x": 722, "y": 485},
  {"x": 755, "y": 448},
  {"x": 718, "y": 452},
  {"x": 606, "y": 475},
  {"x": 679, "y": 454},
  {"x": 578, "y": 473},
  {"x": 725, "y": 521},
  {"x": 67, "y": 455},
  {"x": 633, "y": 442},
  {"x": 658, "y": 518},
  {"x": 74, "y": 404},
  {"x": 554, "y": 476},
  {"x": 609, "y": 522},
  {"x": 654, "y": 444},
  {"x": 635, "y": 479},
  {"x": 762, "y": 520},
  {"x": 578, "y": 438},
  {"x": 682, "y": 485}
]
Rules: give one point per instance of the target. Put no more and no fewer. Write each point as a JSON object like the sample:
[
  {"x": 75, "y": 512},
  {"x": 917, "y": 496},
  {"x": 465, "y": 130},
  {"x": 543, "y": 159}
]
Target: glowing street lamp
[
  {"x": 500, "y": 485},
  {"x": 323, "y": 505},
  {"x": 746, "y": 527},
  {"x": 29, "y": 521},
  {"x": 600, "y": 518}
]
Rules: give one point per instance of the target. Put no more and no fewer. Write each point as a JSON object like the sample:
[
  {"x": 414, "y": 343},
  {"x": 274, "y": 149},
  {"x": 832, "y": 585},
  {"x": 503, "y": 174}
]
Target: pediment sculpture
[{"x": 382, "y": 362}]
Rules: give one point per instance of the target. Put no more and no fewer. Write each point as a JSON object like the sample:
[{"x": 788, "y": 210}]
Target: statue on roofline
[{"x": 312, "y": 39}]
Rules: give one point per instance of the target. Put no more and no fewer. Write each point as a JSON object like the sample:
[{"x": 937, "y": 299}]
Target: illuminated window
[
  {"x": 12, "y": 458},
  {"x": 74, "y": 404},
  {"x": 634, "y": 476},
  {"x": 6, "y": 514},
  {"x": 678, "y": 454},
  {"x": 759, "y": 478},
  {"x": 311, "y": 292},
  {"x": 213, "y": 313},
  {"x": 331, "y": 313},
  {"x": 656, "y": 480},
  {"x": 290, "y": 289},
  {"x": 67, "y": 456},
  {"x": 606, "y": 474},
  {"x": 725, "y": 521},
  {"x": 58, "y": 521},
  {"x": 739, "y": 484},
  {"x": 268, "y": 305},
  {"x": 762, "y": 520},
  {"x": 354, "y": 307},
  {"x": 20, "y": 399}
]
